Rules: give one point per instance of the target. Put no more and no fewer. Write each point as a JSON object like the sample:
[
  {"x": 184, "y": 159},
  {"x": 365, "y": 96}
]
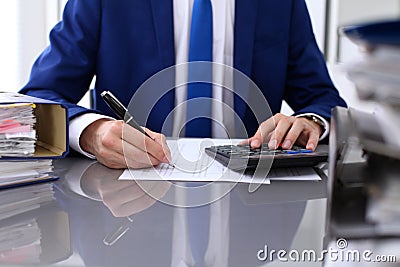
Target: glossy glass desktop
[{"x": 96, "y": 220}]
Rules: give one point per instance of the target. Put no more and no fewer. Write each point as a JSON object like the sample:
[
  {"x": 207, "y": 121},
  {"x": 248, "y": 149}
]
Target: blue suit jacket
[{"x": 124, "y": 42}]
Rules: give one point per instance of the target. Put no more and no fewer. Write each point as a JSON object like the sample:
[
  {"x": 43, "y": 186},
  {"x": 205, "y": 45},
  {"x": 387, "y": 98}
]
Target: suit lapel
[
  {"x": 164, "y": 29},
  {"x": 245, "y": 21}
]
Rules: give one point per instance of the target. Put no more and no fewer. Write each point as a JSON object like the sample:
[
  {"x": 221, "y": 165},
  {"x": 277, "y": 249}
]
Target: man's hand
[
  {"x": 117, "y": 145},
  {"x": 125, "y": 198},
  {"x": 122, "y": 198},
  {"x": 286, "y": 131}
]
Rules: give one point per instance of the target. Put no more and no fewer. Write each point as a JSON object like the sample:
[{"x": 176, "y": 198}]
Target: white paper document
[{"x": 193, "y": 164}]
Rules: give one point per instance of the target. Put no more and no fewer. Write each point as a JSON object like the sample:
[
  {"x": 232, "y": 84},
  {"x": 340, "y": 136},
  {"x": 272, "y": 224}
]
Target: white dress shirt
[{"x": 223, "y": 47}]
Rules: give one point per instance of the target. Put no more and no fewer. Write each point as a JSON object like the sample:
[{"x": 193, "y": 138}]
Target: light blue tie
[{"x": 199, "y": 94}]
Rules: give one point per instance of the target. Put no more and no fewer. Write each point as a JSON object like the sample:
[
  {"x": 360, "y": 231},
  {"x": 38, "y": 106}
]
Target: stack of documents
[
  {"x": 17, "y": 172},
  {"x": 377, "y": 79},
  {"x": 377, "y": 76},
  {"x": 17, "y": 134},
  {"x": 18, "y": 144}
]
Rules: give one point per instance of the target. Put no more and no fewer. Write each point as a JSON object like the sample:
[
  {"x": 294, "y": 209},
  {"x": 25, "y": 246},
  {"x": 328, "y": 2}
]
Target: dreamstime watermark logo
[
  {"x": 156, "y": 92},
  {"x": 339, "y": 254}
]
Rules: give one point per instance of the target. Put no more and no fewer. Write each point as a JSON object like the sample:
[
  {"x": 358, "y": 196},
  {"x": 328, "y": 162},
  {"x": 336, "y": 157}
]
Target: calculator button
[
  {"x": 292, "y": 152},
  {"x": 306, "y": 151}
]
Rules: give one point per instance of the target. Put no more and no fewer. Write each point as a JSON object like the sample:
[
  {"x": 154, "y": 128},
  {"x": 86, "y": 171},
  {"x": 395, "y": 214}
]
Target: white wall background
[
  {"x": 317, "y": 9},
  {"x": 8, "y": 53},
  {"x": 24, "y": 27}
]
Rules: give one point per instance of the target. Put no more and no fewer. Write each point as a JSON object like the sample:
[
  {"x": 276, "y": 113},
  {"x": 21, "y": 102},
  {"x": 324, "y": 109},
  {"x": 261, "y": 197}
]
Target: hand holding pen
[
  {"x": 117, "y": 146},
  {"x": 122, "y": 112}
]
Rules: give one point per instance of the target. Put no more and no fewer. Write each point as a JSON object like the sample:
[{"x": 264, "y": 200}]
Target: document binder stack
[
  {"x": 363, "y": 206},
  {"x": 17, "y": 134},
  {"x": 377, "y": 79},
  {"x": 32, "y": 133}
]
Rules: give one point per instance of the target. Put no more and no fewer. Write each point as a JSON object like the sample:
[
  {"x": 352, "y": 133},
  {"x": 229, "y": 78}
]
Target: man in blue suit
[{"x": 124, "y": 42}]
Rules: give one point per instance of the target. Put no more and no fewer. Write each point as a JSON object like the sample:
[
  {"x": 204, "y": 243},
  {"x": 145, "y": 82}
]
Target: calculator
[{"x": 243, "y": 157}]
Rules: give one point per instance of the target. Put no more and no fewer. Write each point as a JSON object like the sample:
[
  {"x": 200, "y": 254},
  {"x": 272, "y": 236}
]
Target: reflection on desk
[
  {"x": 35, "y": 236},
  {"x": 114, "y": 223}
]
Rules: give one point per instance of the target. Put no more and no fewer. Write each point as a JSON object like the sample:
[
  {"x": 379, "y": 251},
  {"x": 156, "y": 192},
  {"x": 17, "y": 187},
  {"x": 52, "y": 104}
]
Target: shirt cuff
[
  {"x": 327, "y": 128},
  {"x": 77, "y": 126}
]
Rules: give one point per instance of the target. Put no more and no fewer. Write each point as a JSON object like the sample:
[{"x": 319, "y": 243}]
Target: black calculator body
[{"x": 242, "y": 157}]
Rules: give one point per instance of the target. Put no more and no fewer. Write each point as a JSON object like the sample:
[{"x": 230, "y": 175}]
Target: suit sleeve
[
  {"x": 65, "y": 69},
  {"x": 309, "y": 88}
]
